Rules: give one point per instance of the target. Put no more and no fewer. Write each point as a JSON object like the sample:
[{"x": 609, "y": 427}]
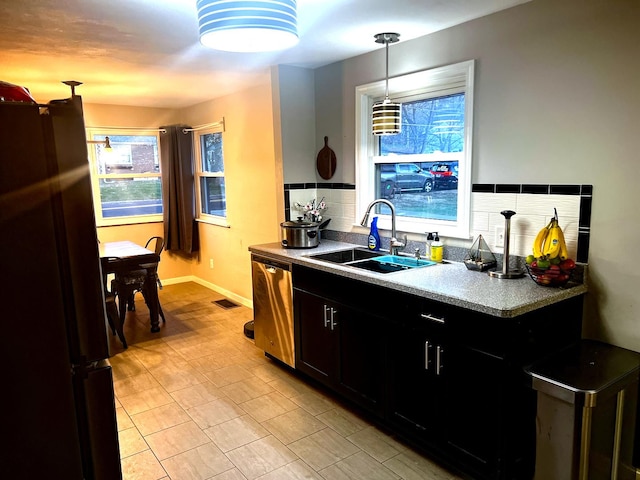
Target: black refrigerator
[{"x": 58, "y": 415}]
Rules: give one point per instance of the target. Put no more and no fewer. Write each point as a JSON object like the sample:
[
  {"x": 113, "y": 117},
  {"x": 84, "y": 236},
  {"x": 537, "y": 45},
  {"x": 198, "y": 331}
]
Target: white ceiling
[{"x": 147, "y": 52}]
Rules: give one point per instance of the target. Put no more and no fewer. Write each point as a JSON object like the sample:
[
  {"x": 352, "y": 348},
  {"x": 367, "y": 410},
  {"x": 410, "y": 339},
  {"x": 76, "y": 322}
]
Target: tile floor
[{"x": 199, "y": 401}]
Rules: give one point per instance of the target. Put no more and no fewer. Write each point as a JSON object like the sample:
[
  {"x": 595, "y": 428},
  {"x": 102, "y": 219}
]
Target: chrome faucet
[{"x": 394, "y": 244}]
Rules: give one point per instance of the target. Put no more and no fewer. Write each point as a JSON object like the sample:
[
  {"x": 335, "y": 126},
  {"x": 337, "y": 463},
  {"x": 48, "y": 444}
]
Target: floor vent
[{"x": 225, "y": 303}]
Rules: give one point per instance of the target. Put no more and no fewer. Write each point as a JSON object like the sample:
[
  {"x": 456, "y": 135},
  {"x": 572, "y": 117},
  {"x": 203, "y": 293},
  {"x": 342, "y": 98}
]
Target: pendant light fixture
[
  {"x": 386, "y": 117},
  {"x": 248, "y": 26}
]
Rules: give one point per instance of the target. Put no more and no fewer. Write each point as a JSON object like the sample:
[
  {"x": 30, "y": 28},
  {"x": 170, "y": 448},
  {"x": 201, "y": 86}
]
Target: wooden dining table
[{"x": 123, "y": 256}]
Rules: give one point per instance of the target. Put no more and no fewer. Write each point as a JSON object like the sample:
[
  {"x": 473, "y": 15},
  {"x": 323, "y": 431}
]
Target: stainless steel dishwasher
[{"x": 273, "y": 308}]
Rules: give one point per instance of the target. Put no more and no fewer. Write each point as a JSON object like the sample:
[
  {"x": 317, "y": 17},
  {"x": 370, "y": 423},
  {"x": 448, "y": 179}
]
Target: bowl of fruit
[
  {"x": 550, "y": 265},
  {"x": 550, "y": 272}
]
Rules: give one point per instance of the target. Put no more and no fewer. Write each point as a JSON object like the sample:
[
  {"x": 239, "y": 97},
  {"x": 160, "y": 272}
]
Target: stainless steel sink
[
  {"x": 346, "y": 256},
  {"x": 379, "y": 262}
]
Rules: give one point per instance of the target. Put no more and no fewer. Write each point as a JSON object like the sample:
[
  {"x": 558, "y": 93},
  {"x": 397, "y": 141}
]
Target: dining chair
[
  {"x": 113, "y": 315},
  {"x": 131, "y": 282}
]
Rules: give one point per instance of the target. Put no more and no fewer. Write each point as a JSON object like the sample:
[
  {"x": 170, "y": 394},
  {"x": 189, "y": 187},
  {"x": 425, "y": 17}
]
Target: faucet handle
[
  {"x": 396, "y": 243},
  {"x": 416, "y": 253}
]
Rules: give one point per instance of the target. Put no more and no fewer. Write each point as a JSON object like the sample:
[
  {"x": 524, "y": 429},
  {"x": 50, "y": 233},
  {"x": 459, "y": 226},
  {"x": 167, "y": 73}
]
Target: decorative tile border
[{"x": 584, "y": 191}]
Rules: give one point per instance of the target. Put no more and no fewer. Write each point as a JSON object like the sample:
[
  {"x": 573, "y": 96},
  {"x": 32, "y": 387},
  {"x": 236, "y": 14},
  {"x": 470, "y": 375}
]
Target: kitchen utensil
[
  {"x": 326, "y": 161},
  {"x": 324, "y": 224},
  {"x": 300, "y": 234}
]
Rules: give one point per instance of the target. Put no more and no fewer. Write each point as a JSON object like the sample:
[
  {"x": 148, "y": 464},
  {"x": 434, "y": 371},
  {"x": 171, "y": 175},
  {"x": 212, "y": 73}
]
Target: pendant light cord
[
  {"x": 386, "y": 90},
  {"x": 387, "y": 38}
]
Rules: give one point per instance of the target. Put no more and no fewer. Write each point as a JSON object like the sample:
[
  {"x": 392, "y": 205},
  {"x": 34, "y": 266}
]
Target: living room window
[
  {"x": 210, "y": 178},
  {"x": 425, "y": 171},
  {"x": 126, "y": 178}
]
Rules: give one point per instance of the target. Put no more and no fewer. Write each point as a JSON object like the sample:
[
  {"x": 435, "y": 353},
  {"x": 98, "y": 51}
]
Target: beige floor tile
[
  {"x": 177, "y": 377},
  {"x": 215, "y": 412},
  {"x": 126, "y": 365},
  {"x": 236, "y": 433},
  {"x": 246, "y": 390},
  {"x": 323, "y": 448},
  {"x": 409, "y": 465},
  {"x": 197, "y": 395},
  {"x": 160, "y": 418},
  {"x": 123, "y": 419},
  {"x": 297, "y": 470},
  {"x": 155, "y": 354},
  {"x": 142, "y": 466},
  {"x": 199, "y": 463},
  {"x": 145, "y": 400},
  {"x": 358, "y": 467},
  {"x": 131, "y": 442},
  {"x": 268, "y": 406},
  {"x": 380, "y": 446},
  {"x": 261, "y": 456},
  {"x": 313, "y": 403},
  {"x": 135, "y": 384},
  {"x": 269, "y": 370},
  {"x": 227, "y": 375},
  {"x": 290, "y": 386},
  {"x": 293, "y": 425},
  {"x": 233, "y": 474},
  {"x": 175, "y": 440},
  {"x": 343, "y": 421}
]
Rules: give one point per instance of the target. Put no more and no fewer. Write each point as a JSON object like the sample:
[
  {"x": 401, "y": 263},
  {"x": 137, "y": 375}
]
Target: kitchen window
[
  {"x": 210, "y": 178},
  {"x": 425, "y": 171},
  {"x": 126, "y": 178}
]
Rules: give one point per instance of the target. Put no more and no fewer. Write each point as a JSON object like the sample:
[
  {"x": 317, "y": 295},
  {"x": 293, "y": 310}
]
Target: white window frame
[
  {"x": 434, "y": 82},
  {"x": 100, "y": 133},
  {"x": 199, "y": 174}
]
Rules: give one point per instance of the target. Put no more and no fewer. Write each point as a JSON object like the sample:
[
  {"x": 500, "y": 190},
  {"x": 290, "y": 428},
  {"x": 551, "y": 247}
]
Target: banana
[
  {"x": 552, "y": 243},
  {"x": 539, "y": 242},
  {"x": 564, "y": 253}
]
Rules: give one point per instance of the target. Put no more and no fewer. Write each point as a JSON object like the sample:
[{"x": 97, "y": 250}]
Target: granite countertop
[{"x": 449, "y": 282}]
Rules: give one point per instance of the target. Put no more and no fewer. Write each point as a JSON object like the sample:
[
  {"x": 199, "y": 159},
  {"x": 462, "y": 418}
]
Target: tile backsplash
[{"x": 534, "y": 206}]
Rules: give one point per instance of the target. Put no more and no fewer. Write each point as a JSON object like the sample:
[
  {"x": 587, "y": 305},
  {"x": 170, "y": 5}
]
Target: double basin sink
[{"x": 374, "y": 261}]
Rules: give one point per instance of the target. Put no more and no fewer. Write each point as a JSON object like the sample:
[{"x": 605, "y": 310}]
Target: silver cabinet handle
[
  {"x": 325, "y": 316},
  {"x": 426, "y": 354},
  {"x": 439, "y": 352},
  {"x": 428, "y": 316},
  {"x": 333, "y": 322}
]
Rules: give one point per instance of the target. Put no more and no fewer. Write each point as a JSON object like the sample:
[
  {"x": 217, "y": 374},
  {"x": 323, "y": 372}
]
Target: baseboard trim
[{"x": 211, "y": 286}]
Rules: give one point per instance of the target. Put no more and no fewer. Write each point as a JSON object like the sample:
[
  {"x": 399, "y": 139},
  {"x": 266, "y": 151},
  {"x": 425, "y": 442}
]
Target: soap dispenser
[
  {"x": 374, "y": 236},
  {"x": 427, "y": 250},
  {"x": 437, "y": 249}
]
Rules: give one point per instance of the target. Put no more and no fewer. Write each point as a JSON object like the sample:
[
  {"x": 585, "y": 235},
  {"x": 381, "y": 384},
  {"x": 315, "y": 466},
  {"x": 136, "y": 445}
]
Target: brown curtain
[{"x": 178, "y": 192}]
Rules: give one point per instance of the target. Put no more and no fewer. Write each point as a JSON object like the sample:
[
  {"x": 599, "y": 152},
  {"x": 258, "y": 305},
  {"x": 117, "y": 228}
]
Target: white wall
[{"x": 556, "y": 98}]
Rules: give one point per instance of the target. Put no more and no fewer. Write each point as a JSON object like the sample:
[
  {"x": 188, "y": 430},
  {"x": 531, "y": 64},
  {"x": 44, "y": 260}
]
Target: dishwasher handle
[{"x": 271, "y": 265}]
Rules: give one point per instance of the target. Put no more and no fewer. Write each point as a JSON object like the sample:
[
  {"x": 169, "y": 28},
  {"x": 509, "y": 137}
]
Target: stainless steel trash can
[{"x": 586, "y": 413}]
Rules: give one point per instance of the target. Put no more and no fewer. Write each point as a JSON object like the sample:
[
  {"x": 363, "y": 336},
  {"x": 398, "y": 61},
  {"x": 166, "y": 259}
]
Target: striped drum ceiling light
[{"x": 248, "y": 26}]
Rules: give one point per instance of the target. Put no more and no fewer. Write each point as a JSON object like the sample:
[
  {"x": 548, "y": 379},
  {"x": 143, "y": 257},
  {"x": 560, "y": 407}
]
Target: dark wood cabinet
[
  {"x": 341, "y": 347},
  {"x": 450, "y": 380},
  {"x": 416, "y": 371}
]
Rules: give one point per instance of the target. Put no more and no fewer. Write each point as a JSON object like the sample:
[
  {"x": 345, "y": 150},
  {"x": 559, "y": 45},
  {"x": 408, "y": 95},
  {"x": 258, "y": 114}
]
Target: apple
[
  {"x": 543, "y": 264},
  {"x": 567, "y": 264}
]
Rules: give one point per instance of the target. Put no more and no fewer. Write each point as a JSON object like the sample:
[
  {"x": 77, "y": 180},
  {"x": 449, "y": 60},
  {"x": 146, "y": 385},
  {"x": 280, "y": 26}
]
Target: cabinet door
[
  {"x": 360, "y": 357},
  {"x": 417, "y": 357},
  {"x": 473, "y": 407},
  {"x": 315, "y": 340}
]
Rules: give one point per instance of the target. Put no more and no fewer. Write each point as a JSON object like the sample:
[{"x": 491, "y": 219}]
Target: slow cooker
[{"x": 300, "y": 234}]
